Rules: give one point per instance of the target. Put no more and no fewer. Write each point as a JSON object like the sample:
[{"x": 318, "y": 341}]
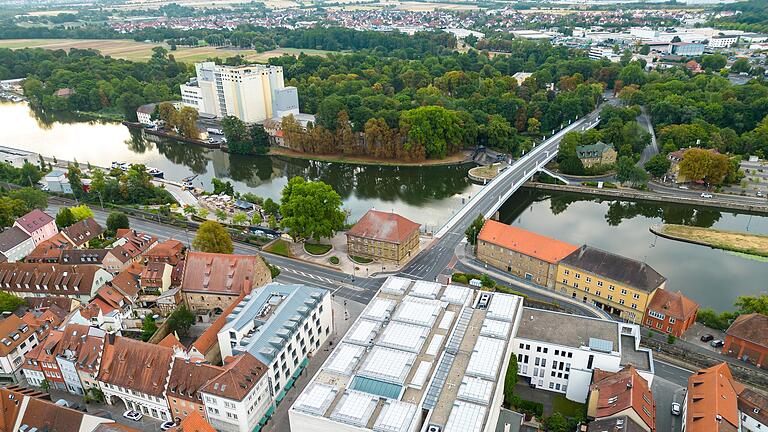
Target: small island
[{"x": 751, "y": 244}]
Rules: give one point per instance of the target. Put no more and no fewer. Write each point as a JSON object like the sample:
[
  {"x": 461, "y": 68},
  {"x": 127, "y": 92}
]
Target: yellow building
[{"x": 619, "y": 285}]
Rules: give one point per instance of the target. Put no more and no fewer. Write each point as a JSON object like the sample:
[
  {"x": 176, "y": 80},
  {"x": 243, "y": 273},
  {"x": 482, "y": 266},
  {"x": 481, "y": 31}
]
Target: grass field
[
  {"x": 317, "y": 248},
  {"x": 141, "y": 51},
  {"x": 280, "y": 247},
  {"x": 752, "y": 244}
]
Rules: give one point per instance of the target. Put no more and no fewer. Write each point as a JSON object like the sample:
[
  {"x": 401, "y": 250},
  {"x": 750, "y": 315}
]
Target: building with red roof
[
  {"x": 525, "y": 254},
  {"x": 38, "y": 225},
  {"x": 711, "y": 403},
  {"x": 670, "y": 312},
  {"x": 622, "y": 394},
  {"x": 747, "y": 339},
  {"x": 383, "y": 236}
]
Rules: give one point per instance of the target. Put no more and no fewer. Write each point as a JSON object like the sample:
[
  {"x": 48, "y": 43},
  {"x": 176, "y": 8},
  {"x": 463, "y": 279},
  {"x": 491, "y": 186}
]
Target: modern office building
[
  {"x": 559, "y": 352},
  {"x": 252, "y": 93},
  {"x": 421, "y": 356}
]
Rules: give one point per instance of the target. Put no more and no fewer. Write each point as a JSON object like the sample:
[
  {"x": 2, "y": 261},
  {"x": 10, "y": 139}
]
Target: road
[
  {"x": 651, "y": 149},
  {"x": 696, "y": 194}
]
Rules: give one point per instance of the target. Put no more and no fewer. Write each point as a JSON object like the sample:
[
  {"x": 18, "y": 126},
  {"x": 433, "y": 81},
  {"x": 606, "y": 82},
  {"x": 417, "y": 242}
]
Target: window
[
  {"x": 565, "y": 281},
  {"x": 634, "y": 305},
  {"x": 611, "y": 287},
  {"x": 567, "y": 272},
  {"x": 551, "y": 385},
  {"x": 577, "y": 276},
  {"x": 597, "y": 293},
  {"x": 599, "y": 283},
  {"x": 610, "y": 297},
  {"x": 589, "y": 279},
  {"x": 575, "y": 284},
  {"x": 656, "y": 315},
  {"x": 538, "y": 361},
  {"x": 623, "y": 291},
  {"x": 636, "y": 296},
  {"x": 538, "y": 349},
  {"x": 522, "y": 346},
  {"x": 672, "y": 320},
  {"x": 586, "y": 289}
]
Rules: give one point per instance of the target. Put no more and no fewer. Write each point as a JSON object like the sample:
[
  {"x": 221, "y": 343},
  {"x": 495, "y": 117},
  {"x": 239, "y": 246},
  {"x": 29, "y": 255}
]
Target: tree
[
  {"x": 65, "y": 218},
  {"x": 270, "y": 207},
  {"x": 713, "y": 62},
  {"x": 240, "y": 218},
  {"x": 473, "y": 230},
  {"x": 74, "y": 176},
  {"x": 116, "y": 221},
  {"x": 534, "y": 126},
  {"x": 556, "y": 423},
  {"x": 221, "y": 215},
  {"x": 658, "y": 165},
  {"x": 222, "y": 187},
  {"x": 256, "y": 219},
  {"x": 81, "y": 212},
  {"x": 148, "y": 328},
  {"x": 181, "y": 320},
  {"x": 9, "y": 302},
  {"x": 572, "y": 165},
  {"x": 510, "y": 380},
  {"x": 311, "y": 210},
  {"x": 749, "y": 304},
  {"x": 627, "y": 171},
  {"x": 741, "y": 65},
  {"x": 700, "y": 164},
  {"x": 10, "y": 209},
  {"x": 212, "y": 237},
  {"x": 33, "y": 198},
  {"x": 434, "y": 129},
  {"x": 45, "y": 385}
]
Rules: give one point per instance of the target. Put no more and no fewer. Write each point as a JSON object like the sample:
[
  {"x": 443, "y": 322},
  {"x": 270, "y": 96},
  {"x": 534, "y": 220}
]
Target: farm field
[{"x": 141, "y": 51}]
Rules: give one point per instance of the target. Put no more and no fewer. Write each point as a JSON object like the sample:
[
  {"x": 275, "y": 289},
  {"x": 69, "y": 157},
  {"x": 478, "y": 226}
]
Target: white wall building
[
  {"x": 282, "y": 326},
  {"x": 252, "y": 93},
  {"x": 17, "y": 339},
  {"x": 15, "y": 244},
  {"x": 17, "y": 158},
  {"x": 421, "y": 356},
  {"x": 723, "y": 41},
  {"x": 558, "y": 352}
]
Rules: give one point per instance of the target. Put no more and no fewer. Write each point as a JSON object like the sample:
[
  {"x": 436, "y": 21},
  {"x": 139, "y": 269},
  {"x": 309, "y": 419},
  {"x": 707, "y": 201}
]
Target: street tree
[
  {"x": 33, "y": 198},
  {"x": 65, "y": 218},
  {"x": 117, "y": 220},
  {"x": 212, "y": 237},
  {"x": 240, "y": 218},
  {"x": 311, "y": 210},
  {"x": 700, "y": 164},
  {"x": 81, "y": 212},
  {"x": 658, "y": 165},
  {"x": 473, "y": 230}
]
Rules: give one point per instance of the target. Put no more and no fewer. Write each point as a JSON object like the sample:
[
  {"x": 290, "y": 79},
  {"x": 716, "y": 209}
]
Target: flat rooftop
[
  {"x": 567, "y": 330},
  {"x": 420, "y": 353}
]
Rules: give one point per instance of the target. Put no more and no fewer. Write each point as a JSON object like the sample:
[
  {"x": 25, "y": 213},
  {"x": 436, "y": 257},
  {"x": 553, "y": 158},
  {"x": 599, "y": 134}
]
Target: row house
[
  {"x": 213, "y": 281},
  {"x": 187, "y": 378},
  {"x": 127, "y": 249},
  {"x": 622, "y": 397},
  {"x": 41, "y": 365},
  {"x": 17, "y": 339},
  {"x": 239, "y": 397},
  {"x": 42, "y": 280},
  {"x": 156, "y": 277},
  {"x": 82, "y": 232},
  {"x": 136, "y": 373},
  {"x": 108, "y": 309},
  {"x": 168, "y": 252},
  {"x": 671, "y": 313},
  {"x": 68, "y": 349},
  {"x": 49, "y": 251},
  {"x": 15, "y": 244},
  {"x": 38, "y": 225},
  {"x": 82, "y": 256}
]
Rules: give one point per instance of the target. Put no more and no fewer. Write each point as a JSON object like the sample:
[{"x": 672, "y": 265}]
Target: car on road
[
  {"x": 717, "y": 343},
  {"x": 675, "y": 408},
  {"x": 706, "y": 195},
  {"x": 683, "y": 187},
  {"x": 760, "y": 194},
  {"x": 707, "y": 337},
  {"x": 167, "y": 425},
  {"x": 133, "y": 415}
]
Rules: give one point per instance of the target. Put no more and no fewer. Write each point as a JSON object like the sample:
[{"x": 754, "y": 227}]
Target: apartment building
[
  {"x": 38, "y": 225},
  {"x": 41, "y": 365},
  {"x": 711, "y": 403},
  {"x": 725, "y": 41},
  {"x": 68, "y": 350},
  {"x": 421, "y": 356},
  {"x": 82, "y": 232},
  {"x": 156, "y": 277},
  {"x": 184, "y": 384},
  {"x": 168, "y": 251},
  {"x": 17, "y": 339},
  {"x": 213, "y": 281},
  {"x": 622, "y": 395},
  {"x": 15, "y": 244},
  {"x": 387, "y": 237},
  {"x": 282, "y": 326},
  {"x": 670, "y": 313},
  {"x": 238, "y": 399},
  {"x": 252, "y": 93},
  {"x": 525, "y": 254},
  {"x": 559, "y": 352},
  {"x": 136, "y": 373},
  {"x": 127, "y": 249},
  {"x": 753, "y": 409},
  {"x": 79, "y": 282},
  {"x": 619, "y": 285}
]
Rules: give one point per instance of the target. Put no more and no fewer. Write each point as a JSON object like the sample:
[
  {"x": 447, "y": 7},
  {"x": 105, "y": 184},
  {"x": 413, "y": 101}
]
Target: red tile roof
[
  {"x": 13, "y": 331},
  {"x": 525, "y": 242},
  {"x": 382, "y": 226},
  {"x": 127, "y": 283},
  {"x": 673, "y": 304},
  {"x": 52, "y": 278},
  {"x": 136, "y": 244},
  {"x": 49, "y": 250},
  {"x": 712, "y": 400},
  {"x": 750, "y": 327},
  {"x": 83, "y": 231},
  {"x": 210, "y": 336},
  {"x": 171, "y": 341},
  {"x": 237, "y": 379},
  {"x": 34, "y": 220},
  {"x": 169, "y": 251},
  {"x": 135, "y": 365},
  {"x": 224, "y": 273},
  {"x": 194, "y": 422},
  {"x": 620, "y": 391},
  {"x": 187, "y": 378}
]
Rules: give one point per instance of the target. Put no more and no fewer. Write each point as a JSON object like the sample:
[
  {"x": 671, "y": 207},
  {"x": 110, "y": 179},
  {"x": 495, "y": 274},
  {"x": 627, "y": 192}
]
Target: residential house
[
  {"x": 82, "y": 256},
  {"x": 753, "y": 409},
  {"x": 108, "y": 309},
  {"x": 127, "y": 282},
  {"x": 87, "y": 363},
  {"x": 15, "y": 244},
  {"x": 694, "y": 67},
  {"x": 183, "y": 393},
  {"x": 41, "y": 365},
  {"x": 525, "y": 254},
  {"x": 747, "y": 339},
  {"x": 559, "y": 352},
  {"x": 156, "y": 277},
  {"x": 616, "y": 395},
  {"x": 73, "y": 338},
  {"x": 57, "y": 181},
  {"x": 43, "y": 280},
  {"x": 38, "y": 224},
  {"x": 64, "y": 93},
  {"x": 282, "y": 326},
  {"x": 169, "y": 251},
  {"x": 387, "y": 237},
  {"x": 615, "y": 424},
  {"x": 213, "y": 281},
  {"x": 42, "y": 304},
  {"x": 49, "y": 251},
  {"x": 675, "y": 158},
  {"x": 206, "y": 346},
  {"x": 670, "y": 313},
  {"x": 127, "y": 249},
  {"x": 619, "y": 285},
  {"x": 144, "y": 114},
  {"x": 81, "y": 233},
  {"x": 169, "y": 300},
  {"x": 599, "y": 153},
  {"x": 711, "y": 403},
  {"x": 238, "y": 398},
  {"x": 28, "y": 410},
  {"x": 194, "y": 422},
  {"x": 136, "y": 373},
  {"x": 17, "y": 339}
]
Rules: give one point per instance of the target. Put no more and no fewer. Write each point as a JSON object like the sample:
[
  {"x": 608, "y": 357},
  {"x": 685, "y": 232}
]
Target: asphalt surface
[
  {"x": 651, "y": 149},
  {"x": 696, "y": 194}
]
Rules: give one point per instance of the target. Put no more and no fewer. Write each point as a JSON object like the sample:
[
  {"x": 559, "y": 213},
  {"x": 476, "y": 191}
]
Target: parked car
[
  {"x": 167, "y": 425},
  {"x": 683, "y": 187},
  {"x": 133, "y": 415},
  {"x": 675, "y": 408},
  {"x": 717, "y": 343},
  {"x": 707, "y": 338},
  {"x": 706, "y": 195}
]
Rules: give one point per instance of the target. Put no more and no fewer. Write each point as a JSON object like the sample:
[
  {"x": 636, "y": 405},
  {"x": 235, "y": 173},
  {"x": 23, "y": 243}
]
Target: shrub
[
  {"x": 671, "y": 339},
  {"x": 334, "y": 260}
]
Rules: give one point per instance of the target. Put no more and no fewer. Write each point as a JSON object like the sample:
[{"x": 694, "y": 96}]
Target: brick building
[
  {"x": 670, "y": 313},
  {"x": 387, "y": 237},
  {"x": 747, "y": 339}
]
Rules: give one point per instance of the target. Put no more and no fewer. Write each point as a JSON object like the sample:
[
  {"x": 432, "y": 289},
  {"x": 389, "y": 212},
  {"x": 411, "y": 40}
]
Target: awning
[
  {"x": 280, "y": 396},
  {"x": 269, "y": 412},
  {"x": 289, "y": 384}
]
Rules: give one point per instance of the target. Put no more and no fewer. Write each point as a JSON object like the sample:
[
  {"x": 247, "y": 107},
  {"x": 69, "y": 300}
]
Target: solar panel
[{"x": 601, "y": 345}]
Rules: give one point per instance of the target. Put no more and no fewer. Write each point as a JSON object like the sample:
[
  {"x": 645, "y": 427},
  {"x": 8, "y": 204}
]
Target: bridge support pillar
[{"x": 495, "y": 216}]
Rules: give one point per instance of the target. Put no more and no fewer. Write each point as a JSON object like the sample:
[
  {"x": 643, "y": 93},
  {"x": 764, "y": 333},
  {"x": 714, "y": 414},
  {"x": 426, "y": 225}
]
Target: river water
[{"x": 428, "y": 195}]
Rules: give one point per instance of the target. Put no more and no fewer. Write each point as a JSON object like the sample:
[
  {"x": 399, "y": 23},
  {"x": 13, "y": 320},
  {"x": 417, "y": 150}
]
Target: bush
[
  {"x": 334, "y": 260},
  {"x": 317, "y": 248},
  {"x": 528, "y": 407},
  {"x": 609, "y": 185},
  {"x": 671, "y": 339},
  {"x": 360, "y": 260},
  {"x": 460, "y": 278}
]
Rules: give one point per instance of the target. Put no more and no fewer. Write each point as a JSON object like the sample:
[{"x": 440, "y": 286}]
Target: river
[{"x": 428, "y": 195}]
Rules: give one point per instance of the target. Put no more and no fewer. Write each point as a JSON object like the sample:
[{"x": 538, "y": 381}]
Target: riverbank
[
  {"x": 457, "y": 159},
  {"x": 750, "y": 244},
  {"x": 633, "y": 194}
]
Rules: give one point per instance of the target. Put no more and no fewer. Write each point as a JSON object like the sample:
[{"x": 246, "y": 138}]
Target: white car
[
  {"x": 675, "y": 408},
  {"x": 133, "y": 415},
  {"x": 706, "y": 195},
  {"x": 683, "y": 187},
  {"x": 167, "y": 425}
]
